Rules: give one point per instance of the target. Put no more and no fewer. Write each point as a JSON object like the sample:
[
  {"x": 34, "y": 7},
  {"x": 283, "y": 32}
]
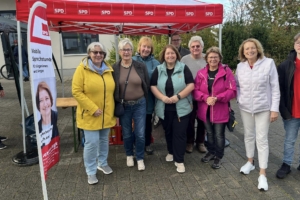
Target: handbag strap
[{"x": 126, "y": 83}]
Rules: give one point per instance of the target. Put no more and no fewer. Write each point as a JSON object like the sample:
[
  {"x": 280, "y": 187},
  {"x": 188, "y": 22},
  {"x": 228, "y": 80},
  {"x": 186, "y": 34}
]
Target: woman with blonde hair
[
  {"x": 145, "y": 55},
  {"x": 258, "y": 98}
]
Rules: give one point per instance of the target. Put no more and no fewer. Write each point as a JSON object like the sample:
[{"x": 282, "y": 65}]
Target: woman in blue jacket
[{"x": 145, "y": 55}]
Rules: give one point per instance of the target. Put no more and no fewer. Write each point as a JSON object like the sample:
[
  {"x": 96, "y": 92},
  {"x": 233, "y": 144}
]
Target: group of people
[{"x": 185, "y": 86}]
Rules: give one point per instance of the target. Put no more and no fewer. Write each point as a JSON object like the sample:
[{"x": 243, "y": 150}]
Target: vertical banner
[{"x": 43, "y": 87}]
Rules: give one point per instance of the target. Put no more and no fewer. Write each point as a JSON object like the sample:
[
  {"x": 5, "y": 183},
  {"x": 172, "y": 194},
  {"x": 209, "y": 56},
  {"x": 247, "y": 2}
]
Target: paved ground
[{"x": 67, "y": 180}]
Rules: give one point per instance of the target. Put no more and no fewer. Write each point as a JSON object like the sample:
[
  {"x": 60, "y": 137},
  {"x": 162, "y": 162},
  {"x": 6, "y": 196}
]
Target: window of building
[{"x": 76, "y": 43}]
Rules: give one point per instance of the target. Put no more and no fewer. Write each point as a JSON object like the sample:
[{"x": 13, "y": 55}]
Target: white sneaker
[
  {"x": 262, "y": 183},
  {"x": 180, "y": 167},
  {"x": 247, "y": 168},
  {"x": 169, "y": 158},
  {"x": 141, "y": 165},
  {"x": 130, "y": 162}
]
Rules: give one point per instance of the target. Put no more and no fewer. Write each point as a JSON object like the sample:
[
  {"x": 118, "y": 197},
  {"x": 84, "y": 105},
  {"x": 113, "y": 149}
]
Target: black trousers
[
  {"x": 148, "y": 130},
  {"x": 175, "y": 133}
]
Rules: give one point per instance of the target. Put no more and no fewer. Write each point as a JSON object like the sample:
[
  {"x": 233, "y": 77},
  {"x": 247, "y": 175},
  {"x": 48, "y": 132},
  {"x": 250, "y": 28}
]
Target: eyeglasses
[
  {"x": 126, "y": 50},
  {"x": 216, "y": 57},
  {"x": 99, "y": 52},
  {"x": 177, "y": 40},
  {"x": 297, "y": 43},
  {"x": 195, "y": 46}
]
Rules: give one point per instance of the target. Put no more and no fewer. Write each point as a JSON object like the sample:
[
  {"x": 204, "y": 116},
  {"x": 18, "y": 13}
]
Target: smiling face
[
  {"x": 170, "y": 56},
  {"x": 250, "y": 51},
  {"x": 213, "y": 60},
  {"x": 126, "y": 52},
  {"x": 145, "y": 49},
  {"x": 45, "y": 102},
  {"x": 97, "y": 55},
  {"x": 196, "y": 49}
]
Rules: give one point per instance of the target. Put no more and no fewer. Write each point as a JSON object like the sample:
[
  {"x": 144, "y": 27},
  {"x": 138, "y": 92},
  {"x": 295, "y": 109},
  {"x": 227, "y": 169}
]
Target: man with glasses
[
  {"x": 176, "y": 41},
  {"x": 289, "y": 82},
  {"x": 195, "y": 61}
]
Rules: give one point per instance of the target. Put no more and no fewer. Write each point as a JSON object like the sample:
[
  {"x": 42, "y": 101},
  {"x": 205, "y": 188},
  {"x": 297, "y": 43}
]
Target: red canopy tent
[{"x": 130, "y": 17}]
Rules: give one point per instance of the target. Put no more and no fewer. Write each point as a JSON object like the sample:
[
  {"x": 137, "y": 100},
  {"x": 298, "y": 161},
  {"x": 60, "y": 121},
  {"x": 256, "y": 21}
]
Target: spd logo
[{"x": 40, "y": 28}]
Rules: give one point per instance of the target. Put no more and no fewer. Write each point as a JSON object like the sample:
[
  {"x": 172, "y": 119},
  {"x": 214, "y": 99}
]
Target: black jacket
[
  {"x": 141, "y": 70},
  {"x": 286, "y": 72},
  {"x": 183, "y": 51},
  {"x": 53, "y": 122}
]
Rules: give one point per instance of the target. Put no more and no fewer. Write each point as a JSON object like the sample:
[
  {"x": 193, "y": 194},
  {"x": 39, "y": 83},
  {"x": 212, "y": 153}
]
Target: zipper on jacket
[
  {"x": 82, "y": 114},
  {"x": 104, "y": 101}
]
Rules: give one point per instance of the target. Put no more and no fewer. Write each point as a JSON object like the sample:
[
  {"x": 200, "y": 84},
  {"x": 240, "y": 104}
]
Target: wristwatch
[{"x": 178, "y": 96}]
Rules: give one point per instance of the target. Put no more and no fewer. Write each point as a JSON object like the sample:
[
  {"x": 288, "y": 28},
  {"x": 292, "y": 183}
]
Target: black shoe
[
  {"x": 208, "y": 157},
  {"x": 2, "y": 146},
  {"x": 216, "y": 164},
  {"x": 284, "y": 170},
  {"x": 298, "y": 167},
  {"x": 3, "y": 138},
  {"x": 26, "y": 79},
  {"x": 149, "y": 150}
]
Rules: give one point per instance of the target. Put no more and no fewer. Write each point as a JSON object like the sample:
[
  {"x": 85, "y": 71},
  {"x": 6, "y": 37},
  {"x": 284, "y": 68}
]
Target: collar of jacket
[
  {"x": 179, "y": 66},
  {"x": 85, "y": 64},
  {"x": 221, "y": 70},
  {"x": 139, "y": 57},
  {"x": 292, "y": 55}
]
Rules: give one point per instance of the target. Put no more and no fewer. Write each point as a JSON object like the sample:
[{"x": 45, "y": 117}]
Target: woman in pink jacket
[{"x": 214, "y": 87}]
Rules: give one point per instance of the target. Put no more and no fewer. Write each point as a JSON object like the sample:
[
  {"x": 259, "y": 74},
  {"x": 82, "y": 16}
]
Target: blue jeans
[
  {"x": 215, "y": 138},
  {"x": 137, "y": 113},
  {"x": 25, "y": 70},
  {"x": 96, "y": 147},
  {"x": 291, "y": 127}
]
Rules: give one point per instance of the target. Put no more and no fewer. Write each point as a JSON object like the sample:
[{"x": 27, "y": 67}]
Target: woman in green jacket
[{"x": 172, "y": 83}]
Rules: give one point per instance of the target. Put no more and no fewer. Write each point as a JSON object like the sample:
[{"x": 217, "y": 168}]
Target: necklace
[
  {"x": 209, "y": 78},
  {"x": 126, "y": 66}
]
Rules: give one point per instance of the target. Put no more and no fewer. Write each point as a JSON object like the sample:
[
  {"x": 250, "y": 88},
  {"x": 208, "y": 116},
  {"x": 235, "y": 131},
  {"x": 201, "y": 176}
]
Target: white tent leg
[
  {"x": 116, "y": 48},
  {"x": 220, "y": 37},
  {"x": 21, "y": 82},
  {"x": 61, "y": 64}
]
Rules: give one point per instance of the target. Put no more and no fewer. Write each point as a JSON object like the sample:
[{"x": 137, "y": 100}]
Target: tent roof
[{"x": 130, "y": 17}]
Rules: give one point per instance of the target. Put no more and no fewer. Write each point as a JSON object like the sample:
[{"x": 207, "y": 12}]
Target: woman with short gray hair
[
  {"x": 132, "y": 85},
  {"x": 93, "y": 88}
]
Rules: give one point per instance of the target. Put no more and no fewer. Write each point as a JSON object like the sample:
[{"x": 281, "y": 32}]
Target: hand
[
  {"x": 98, "y": 113},
  {"x": 273, "y": 116},
  {"x": 211, "y": 101},
  {"x": 167, "y": 100},
  {"x": 174, "y": 99},
  {"x": 2, "y": 93}
]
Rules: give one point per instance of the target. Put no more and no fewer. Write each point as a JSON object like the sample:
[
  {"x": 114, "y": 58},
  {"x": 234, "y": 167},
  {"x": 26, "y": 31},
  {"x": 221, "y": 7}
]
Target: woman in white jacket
[{"x": 258, "y": 98}]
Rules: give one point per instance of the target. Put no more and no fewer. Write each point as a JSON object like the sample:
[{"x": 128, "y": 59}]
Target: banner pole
[{"x": 21, "y": 83}]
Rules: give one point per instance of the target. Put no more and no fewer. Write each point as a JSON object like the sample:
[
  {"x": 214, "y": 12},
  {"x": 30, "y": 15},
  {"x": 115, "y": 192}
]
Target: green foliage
[{"x": 273, "y": 22}]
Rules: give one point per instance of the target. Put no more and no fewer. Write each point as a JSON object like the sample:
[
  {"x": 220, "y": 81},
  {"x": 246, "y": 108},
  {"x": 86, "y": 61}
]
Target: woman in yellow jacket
[{"x": 93, "y": 87}]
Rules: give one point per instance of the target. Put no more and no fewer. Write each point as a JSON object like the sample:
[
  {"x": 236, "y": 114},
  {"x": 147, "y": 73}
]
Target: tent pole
[
  {"x": 116, "y": 48},
  {"x": 21, "y": 82},
  {"x": 61, "y": 64},
  {"x": 220, "y": 37}
]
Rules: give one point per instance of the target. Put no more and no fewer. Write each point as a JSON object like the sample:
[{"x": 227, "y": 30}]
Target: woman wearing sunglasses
[{"x": 93, "y": 87}]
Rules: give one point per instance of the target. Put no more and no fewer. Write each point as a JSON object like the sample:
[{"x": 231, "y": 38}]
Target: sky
[{"x": 225, "y": 3}]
